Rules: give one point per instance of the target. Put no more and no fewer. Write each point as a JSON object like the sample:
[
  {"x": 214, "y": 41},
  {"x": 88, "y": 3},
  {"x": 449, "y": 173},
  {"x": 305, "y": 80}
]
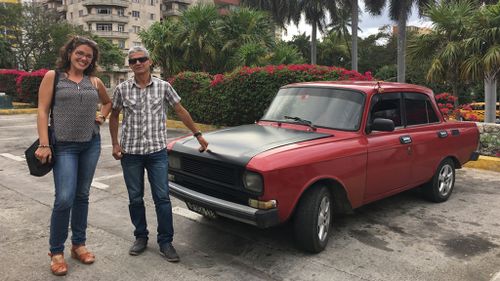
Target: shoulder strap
[{"x": 56, "y": 80}]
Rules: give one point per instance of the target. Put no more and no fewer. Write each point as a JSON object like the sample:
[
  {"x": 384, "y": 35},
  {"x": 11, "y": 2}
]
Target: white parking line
[
  {"x": 13, "y": 157},
  {"x": 108, "y": 177},
  {"x": 187, "y": 214},
  {"x": 99, "y": 185},
  {"x": 19, "y": 126}
]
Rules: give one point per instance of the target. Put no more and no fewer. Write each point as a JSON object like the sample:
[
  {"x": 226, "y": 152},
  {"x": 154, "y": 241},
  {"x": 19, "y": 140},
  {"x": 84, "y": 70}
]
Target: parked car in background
[
  {"x": 477, "y": 112},
  {"x": 320, "y": 148}
]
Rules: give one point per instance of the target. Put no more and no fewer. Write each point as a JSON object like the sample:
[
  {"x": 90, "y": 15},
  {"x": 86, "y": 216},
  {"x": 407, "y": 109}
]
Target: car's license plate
[{"x": 201, "y": 210}]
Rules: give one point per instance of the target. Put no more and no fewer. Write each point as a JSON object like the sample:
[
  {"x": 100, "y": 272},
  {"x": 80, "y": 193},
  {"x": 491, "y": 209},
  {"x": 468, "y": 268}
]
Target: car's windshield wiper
[{"x": 301, "y": 121}]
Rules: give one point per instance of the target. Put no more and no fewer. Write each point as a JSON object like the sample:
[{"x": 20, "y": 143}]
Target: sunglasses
[{"x": 141, "y": 60}]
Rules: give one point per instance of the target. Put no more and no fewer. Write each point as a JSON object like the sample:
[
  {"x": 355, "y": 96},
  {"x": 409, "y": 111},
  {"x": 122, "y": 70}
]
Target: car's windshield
[{"x": 323, "y": 107}]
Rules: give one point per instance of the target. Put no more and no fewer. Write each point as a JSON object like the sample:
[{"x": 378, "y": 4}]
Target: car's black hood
[{"x": 238, "y": 145}]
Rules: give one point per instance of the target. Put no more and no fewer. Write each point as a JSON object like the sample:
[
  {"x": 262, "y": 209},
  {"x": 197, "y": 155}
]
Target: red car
[{"x": 320, "y": 148}]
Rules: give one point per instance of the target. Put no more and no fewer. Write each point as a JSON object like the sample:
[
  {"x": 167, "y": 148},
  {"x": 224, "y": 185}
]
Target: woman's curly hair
[{"x": 64, "y": 61}]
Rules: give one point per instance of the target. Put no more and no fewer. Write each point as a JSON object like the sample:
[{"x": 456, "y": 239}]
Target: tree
[
  {"x": 6, "y": 55},
  {"x": 484, "y": 61},
  {"x": 282, "y": 11},
  {"x": 198, "y": 36},
  {"x": 444, "y": 46},
  {"x": 161, "y": 39},
  {"x": 244, "y": 27},
  {"x": 284, "y": 53},
  {"x": 301, "y": 41},
  {"x": 315, "y": 12},
  {"x": 111, "y": 55},
  {"x": 399, "y": 11}
]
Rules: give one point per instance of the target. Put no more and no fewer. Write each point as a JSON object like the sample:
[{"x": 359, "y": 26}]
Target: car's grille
[
  {"x": 213, "y": 171},
  {"x": 213, "y": 178}
]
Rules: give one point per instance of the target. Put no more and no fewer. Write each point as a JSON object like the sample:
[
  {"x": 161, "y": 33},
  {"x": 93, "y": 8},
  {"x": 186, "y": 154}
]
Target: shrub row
[
  {"x": 242, "y": 96},
  {"x": 22, "y": 86}
]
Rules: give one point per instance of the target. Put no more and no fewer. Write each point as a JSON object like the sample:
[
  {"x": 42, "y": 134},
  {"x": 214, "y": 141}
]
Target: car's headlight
[
  {"x": 253, "y": 181},
  {"x": 174, "y": 161}
]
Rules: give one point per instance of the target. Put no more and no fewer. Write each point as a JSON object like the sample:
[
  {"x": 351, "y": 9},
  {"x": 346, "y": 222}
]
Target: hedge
[
  {"x": 8, "y": 82},
  {"x": 242, "y": 96},
  {"x": 28, "y": 84}
]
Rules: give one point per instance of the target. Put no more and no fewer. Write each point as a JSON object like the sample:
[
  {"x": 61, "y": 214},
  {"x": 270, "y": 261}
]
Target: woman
[{"x": 76, "y": 143}]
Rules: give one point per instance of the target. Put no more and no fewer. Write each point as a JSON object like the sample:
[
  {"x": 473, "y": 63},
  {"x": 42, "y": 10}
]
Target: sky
[{"x": 369, "y": 24}]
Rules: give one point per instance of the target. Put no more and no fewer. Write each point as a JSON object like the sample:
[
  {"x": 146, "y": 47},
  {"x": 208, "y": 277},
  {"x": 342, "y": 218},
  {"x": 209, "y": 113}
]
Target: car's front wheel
[
  {"x": 312, "y": 220},
  {"x": 440, "y": 187}
]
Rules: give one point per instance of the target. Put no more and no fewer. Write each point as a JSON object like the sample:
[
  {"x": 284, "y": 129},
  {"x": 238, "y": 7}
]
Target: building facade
[{"x": 120, "y": 21}]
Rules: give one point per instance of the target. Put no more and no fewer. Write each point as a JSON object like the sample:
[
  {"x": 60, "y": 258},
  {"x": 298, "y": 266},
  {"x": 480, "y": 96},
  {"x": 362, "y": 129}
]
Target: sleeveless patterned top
[{"x": 74, "y": 110}]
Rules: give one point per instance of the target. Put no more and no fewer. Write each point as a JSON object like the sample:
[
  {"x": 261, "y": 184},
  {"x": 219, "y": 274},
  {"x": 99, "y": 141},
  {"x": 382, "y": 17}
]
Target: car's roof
[{"x": 364, "y": 86}]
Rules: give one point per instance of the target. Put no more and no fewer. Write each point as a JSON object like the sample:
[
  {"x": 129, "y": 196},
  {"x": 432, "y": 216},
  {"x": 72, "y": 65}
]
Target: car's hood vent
[{"x": 239, "y": 144}]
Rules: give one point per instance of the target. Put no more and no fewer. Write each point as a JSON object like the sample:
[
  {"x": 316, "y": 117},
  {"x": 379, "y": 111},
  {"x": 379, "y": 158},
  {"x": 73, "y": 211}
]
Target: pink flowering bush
[
  {"x": 446, "y": 104},
  {"x": 8, "y": 82},
  {"x": 241, "y": 97},
  {"x": 28, "y": 84}
]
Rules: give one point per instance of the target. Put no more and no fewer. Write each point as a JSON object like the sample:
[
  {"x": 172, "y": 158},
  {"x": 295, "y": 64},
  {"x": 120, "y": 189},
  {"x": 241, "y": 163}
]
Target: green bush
[
  {"x": 191, "y": 86},
  {"x": 28, "y": 85},
  {"x": 8, "y": 79}
]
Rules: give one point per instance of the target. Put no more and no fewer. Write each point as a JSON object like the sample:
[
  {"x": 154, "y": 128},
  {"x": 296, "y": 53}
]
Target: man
[{"x": 143, "y": 142}]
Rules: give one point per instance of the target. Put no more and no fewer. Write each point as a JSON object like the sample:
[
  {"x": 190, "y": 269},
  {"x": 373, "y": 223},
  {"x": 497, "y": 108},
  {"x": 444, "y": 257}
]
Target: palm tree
[
  {"x": 198, "y": 36},
  {"x": 245, "y": 26},
  {"x": 444, "y": 46},
  {"x": 315, "y": 12},
  {"x": 399, "y": 11},
  {"x": 341, "y": 27},
  {"x": 484, "y": 61},
  {"x": 282, "y": 11},
  {"x": 161, "y": 40}
]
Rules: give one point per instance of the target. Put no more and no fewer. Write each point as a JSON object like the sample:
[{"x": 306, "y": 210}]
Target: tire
[
  {"x": 440, "y": 187},
  {"x": 313, "y": 220}
]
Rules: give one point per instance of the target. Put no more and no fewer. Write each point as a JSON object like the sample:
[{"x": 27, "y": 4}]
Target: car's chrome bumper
[{"x": 242, "y": 213}]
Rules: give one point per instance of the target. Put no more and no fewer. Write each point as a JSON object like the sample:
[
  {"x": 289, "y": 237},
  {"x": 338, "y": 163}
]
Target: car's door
[
  {"x": 389, "y": 153},
  {"x": 428, "y": 137}
]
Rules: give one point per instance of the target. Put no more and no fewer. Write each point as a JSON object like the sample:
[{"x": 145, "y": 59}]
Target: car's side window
[
  {"x": 387, "y": 106},
  {"x": 418, "y": 109}
]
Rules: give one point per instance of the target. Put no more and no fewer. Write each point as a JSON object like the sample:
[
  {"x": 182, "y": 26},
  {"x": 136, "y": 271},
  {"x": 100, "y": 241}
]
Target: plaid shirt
[{"x": 144, "y": 128}]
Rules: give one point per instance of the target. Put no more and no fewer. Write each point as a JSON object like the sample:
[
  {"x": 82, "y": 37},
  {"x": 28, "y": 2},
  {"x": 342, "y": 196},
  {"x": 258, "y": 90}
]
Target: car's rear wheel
[
  {"x": 312, "y": 220},
  {"x": 440, "y": 187}
]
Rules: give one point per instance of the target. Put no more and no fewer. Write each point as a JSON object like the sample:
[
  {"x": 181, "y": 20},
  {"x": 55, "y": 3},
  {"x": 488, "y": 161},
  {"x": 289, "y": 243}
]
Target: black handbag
[{"x": 36, "y": 167}]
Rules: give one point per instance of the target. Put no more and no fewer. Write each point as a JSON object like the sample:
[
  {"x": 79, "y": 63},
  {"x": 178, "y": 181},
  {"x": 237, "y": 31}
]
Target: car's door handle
[
  {"x": 442, "y": 134},
  {"x": 455, "y": 132},
  {"x": 405, "y": 139}
]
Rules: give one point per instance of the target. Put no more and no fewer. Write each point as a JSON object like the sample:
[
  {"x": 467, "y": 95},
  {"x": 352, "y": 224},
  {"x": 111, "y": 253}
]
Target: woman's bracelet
[{"x": 43, "y": 145}]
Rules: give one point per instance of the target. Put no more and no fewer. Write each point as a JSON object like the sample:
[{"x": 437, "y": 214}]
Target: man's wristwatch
[{"x": 197, "y": 134}]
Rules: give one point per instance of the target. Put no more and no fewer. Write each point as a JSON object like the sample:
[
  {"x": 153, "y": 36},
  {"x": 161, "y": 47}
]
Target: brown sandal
[
  {"x": 58, "y": 268},
  {"x": 85, "y": 258}
]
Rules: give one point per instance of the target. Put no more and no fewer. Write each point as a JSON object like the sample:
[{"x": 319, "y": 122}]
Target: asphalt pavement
[{"x": 402, "y": 237}]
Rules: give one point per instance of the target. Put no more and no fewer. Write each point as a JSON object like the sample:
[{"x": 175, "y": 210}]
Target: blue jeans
[
  {"x": 75, "y": 164},
  {"x": 156, "y": 164}
]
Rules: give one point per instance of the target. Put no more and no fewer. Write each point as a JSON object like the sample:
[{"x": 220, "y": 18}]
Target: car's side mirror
[{"x": 382, "y": 124}]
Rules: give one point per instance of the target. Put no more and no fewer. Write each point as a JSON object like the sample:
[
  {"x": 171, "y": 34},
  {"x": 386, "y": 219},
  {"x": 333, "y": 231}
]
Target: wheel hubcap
[
  {"x": 324, "y": 218},
  {"x": 445, "y": 180}
]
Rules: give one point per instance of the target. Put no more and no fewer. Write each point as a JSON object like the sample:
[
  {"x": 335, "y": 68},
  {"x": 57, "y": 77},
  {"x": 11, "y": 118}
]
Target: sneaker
[
  {"x": 168, "y": 251},
  {"x": 139, "y": 246}
]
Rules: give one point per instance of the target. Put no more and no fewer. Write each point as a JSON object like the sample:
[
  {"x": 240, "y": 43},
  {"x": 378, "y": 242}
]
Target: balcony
[
  {"x": 118, "y": 3},
  {"x": 111, "y": 34},
  {"x": 105, "y": 18},
  {"x": 172, "y": 13}
]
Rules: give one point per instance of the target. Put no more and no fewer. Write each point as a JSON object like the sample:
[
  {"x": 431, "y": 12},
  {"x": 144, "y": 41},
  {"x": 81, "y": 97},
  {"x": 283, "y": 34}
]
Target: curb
[{"x": 485, "y": 163}]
